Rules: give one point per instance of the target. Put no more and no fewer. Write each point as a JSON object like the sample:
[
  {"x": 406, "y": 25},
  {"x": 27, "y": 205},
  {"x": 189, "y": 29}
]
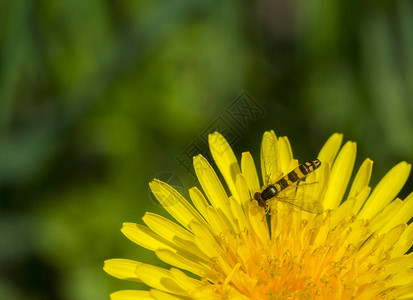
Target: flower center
[{"x": 285, "y": 278}]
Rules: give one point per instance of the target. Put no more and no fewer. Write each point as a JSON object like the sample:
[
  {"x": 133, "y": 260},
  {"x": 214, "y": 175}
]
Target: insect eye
[{"x": 257, "y": 196}]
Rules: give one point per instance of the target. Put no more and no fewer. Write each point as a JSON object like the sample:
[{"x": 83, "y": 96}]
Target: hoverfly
[{"x": 273, "y": 190}]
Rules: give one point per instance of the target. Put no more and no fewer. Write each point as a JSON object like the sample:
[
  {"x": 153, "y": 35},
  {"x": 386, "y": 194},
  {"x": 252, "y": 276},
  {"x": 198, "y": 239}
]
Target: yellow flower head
[{"x": 310, "y": 245}]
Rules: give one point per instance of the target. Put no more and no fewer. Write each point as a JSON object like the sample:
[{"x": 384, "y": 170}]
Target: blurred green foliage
[{"x": 98, "y": 97}]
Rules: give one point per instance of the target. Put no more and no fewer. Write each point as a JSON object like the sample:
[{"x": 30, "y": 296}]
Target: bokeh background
[{"x": 98, "y": 97}]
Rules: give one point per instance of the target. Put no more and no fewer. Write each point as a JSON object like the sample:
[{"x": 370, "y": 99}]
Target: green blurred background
[{"x": 99, "y": 97}]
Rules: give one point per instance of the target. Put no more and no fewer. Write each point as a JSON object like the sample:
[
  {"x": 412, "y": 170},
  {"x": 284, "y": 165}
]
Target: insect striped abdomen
[{"x": 298, "y": 173}]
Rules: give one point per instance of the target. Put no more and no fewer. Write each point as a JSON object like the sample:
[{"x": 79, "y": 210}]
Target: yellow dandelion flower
[{"x": 224, "y": 246}]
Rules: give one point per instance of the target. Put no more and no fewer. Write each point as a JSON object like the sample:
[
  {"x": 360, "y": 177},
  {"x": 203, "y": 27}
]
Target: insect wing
[
  {"x": 269, "y": 158},
  {"x": 299, "y": 197},
  {"x": 307, "y": 204},
  {"x": 321, "y": 178}
]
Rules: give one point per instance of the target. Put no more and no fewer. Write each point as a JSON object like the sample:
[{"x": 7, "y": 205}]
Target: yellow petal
[
  {"x": 340, "y": 176},
  {"x": 225, "y": 159},
  {"x": 358, "y": 232},
  {"x": 293, "y": 164},
  {"x": 166, "y": 228},
  {"x": 330, "y": 149},
  {"x": 386, "y": 190},
  {"x": 285, "y": 154},
  {"x": 259, "y": 224},
  {"x": 402, "y": 215},
  {"x": 405, "y": 241},
  {"x": 385, "y": 215},
  {"x": 122, "y": 268},
  {"x": 397, "y": 267},
  {"x": 362, "y": 178},
  {"x": 244, "y": 196},
  {"x": 205, "y": 240},
  {"x": 130, "y": 295},
  {"x": 238, "y": 213},
  {"x": 145, "y": 237},
  {"x": 159, "y": 278},
  {"x": 401, "y": 278},
  {"x": 198, "y": 200},
  {"x": 393, "y": 236},
  {"x": 216, "y": 220},
  {"x": 343, "y": 211},
  {"x": 185, "y": 281},
  {"x": 174, "y": 203},
  {"x": 231, "y": 274},
  {"x": 211, "y": 185},
  {"x": 269, "y": 163},
  {"x": 174, "y": 233},
  {"x": 360, "y": 199},
  {"x": 180, "y": 261},
  {"x": 406, "y": 296},
  {"x": 250, "y": 172},
  {"x": 159, "y": 295},
  {"x": 320, "y": 179},
  {"x": 402, "y": 291}
]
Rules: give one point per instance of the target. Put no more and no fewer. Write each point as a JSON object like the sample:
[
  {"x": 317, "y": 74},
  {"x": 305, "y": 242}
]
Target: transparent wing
[
  {"x": 298, "y": 197},
  {"x": 311, "y": 206},
  {"x": 269, "y": 158}
]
